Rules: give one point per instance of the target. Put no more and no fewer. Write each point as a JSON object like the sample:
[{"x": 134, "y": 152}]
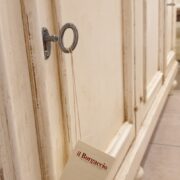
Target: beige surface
[
  {"x": 178, "y": 40},
  {"x": 163, "y": 158},
  {"x": 131, "y": 164},
  {"x": 149, "y": 54},
  {"x": 163, "y": 163},
  {"x": 98, "y": 64},
  {"x": 16, "y": 114},
  {"x": 178, "y": 80},
  {"x": 152, "y": 38},
  {"x": 168, "y": 132},
  {"x": 46, "y": 91},
  {"x": 168, "y": 27}
]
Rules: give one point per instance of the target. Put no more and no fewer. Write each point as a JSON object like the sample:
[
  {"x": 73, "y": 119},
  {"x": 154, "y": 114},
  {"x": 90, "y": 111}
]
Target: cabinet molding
[{"x": 134, "y": 157}]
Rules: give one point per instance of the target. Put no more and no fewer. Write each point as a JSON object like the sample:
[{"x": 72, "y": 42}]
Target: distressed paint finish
[
  {"x": 46, "y": 90},
  {"x": 120, "y": 67},
  {"x": 121, "y": 136},
  {"x": 98, "y": 63},
  {"x": 16, "y": 94},
  {"x": 6, "y": 156}
]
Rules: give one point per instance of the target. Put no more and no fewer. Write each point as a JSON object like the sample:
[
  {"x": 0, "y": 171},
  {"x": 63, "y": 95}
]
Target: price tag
[{"x": 87, "y": 163}]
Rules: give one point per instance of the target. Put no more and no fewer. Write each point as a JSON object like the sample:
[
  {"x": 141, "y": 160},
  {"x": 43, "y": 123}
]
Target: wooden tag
[{"x": 87, "y": 163}]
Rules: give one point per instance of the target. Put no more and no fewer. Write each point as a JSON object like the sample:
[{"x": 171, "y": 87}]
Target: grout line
[
  {"x": 168, "y": 145},
  {"x": 165, "y": 115}
]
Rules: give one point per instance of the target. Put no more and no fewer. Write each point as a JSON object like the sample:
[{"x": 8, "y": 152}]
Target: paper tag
[{"x": 87, "y": 163}]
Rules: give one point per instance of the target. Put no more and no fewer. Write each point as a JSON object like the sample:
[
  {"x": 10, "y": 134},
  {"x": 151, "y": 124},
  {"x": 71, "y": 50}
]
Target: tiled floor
[
  {"x": 162, "y": 160},
  {"x": 178, "y": 78}
]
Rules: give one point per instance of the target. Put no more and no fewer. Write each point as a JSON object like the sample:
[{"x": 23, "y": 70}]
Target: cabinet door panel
[
  {"x": 19, "y": 143},
  {"x": 149, "y": 68},
  {"x": 98, "y": 68},
  {"x": 46, "y": 91},
  {"x": 152, "y": 43},
  {"x": 152, "y": 39},
  {"x": 168, "y": 26},
  {"x": 99, "y": 75},
  {"x": 98, "y": 63},
  {"x": 170, "y": 31}
]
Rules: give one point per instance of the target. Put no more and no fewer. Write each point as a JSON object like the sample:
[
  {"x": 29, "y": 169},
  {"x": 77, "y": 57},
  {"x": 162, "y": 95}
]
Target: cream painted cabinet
[
  {"x": 148, "y": 59},
  {"x": 155, "y": 70},
  {"x": 108, "y": 93},
  {"x": 155, "y": 51},
  {"x": 99, "y": 72},
  {"x": 98, "y": 115}
]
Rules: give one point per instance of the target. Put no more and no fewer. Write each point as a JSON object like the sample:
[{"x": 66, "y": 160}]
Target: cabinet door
[
  {"x": 170, "y": 34},
  {"x": 46, "y": 90},
  {"x": 6, "y": 157},
  {"x": 104, "y": 84},
  {"x": 18, "y": 140},
  {"x": 148, "y": 62},
  {"x": 99, "y": 74},
  {"x": 98, "y": 64}
]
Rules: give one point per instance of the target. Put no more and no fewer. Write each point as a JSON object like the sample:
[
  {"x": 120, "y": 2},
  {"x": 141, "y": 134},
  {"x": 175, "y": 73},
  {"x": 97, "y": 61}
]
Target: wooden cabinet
[
  {"x": 148, "y": 50},
  {"x": 98, "y": 117},
  {"x": 122, "y": 75},
  {"x": 19, "y": 152},
  {"x": 98, "y": 65},
  {"x": 155, "y": 69}
]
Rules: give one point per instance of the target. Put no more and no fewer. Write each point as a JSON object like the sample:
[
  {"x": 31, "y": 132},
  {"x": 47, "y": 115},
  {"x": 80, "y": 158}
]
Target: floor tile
[
  {"x": 162, "y": 163},
  {"x": 173, "y": 105},
  {"x": 178, "y": 79},
  {"x": 168, "y": 130},
  {"x": 176, "y": 92}
]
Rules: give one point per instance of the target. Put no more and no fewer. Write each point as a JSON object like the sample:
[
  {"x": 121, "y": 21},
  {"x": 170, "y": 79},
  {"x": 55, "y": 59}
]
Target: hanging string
[{"x": 75, "y": 99}]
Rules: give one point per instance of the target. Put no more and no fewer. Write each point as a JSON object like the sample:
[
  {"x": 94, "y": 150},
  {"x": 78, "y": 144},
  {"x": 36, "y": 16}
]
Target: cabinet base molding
[
  {"x": 130, "y": 166},
  {"x": 174, "y": 84},
  {"x": 140, "y": 174}
]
